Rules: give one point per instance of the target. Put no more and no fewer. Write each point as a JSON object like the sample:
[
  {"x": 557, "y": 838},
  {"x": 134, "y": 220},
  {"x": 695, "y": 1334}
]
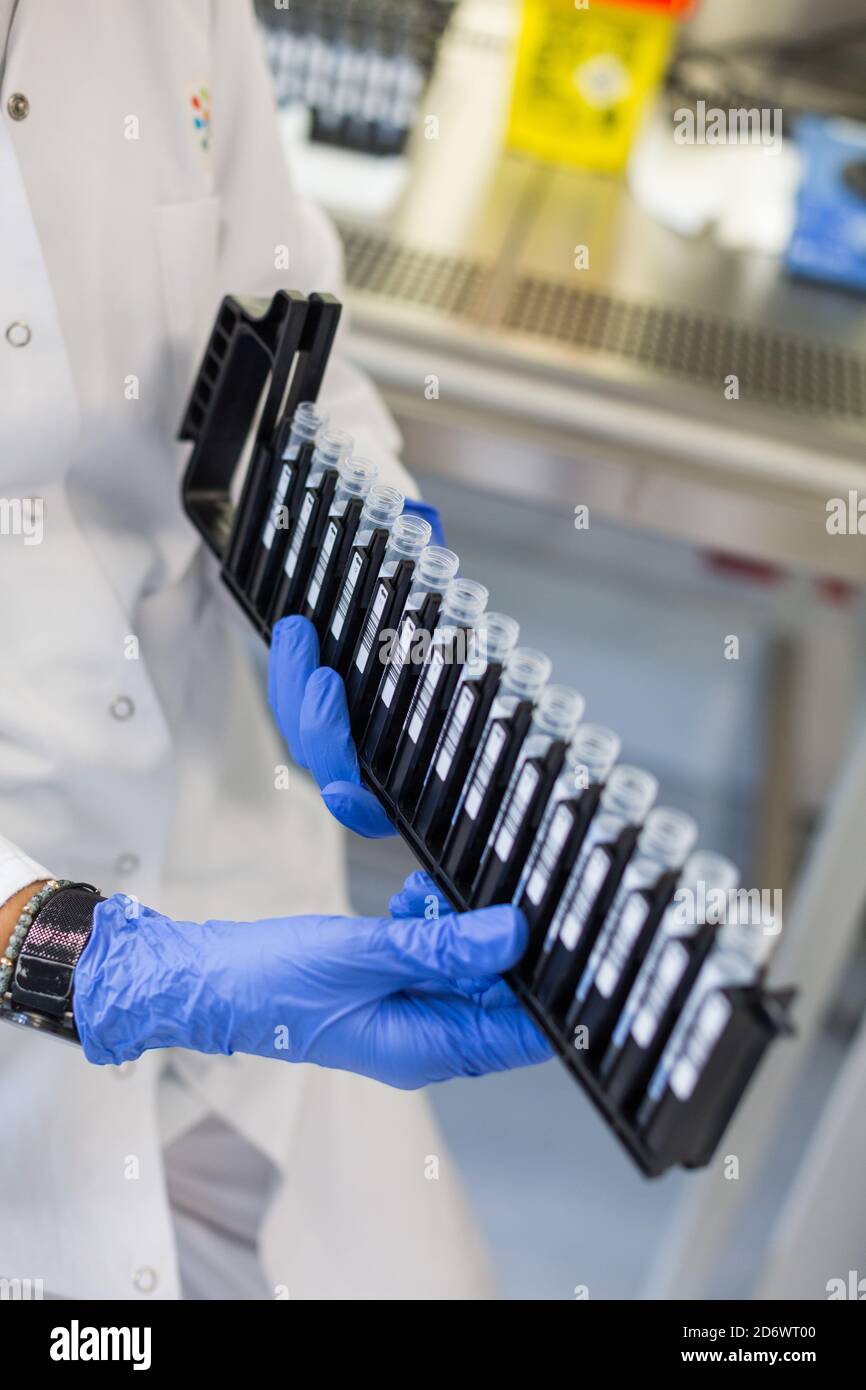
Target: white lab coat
[{"x": 150, "y": 768}]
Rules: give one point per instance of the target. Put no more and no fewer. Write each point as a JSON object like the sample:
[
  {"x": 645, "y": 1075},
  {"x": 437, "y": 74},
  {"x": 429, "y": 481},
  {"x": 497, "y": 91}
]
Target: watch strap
[{"x": 52, "y": 948}]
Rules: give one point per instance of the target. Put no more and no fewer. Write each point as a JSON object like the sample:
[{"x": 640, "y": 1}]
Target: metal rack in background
[{"x": 358, "y": 66}]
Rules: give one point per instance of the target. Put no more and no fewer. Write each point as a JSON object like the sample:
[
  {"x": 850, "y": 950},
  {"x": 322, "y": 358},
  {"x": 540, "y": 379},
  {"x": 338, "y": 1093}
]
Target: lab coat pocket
[{"x": 187, "y": 237}]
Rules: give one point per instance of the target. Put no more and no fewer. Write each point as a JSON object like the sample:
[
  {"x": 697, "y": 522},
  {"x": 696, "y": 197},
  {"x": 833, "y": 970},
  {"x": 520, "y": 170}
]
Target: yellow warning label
[{"x": 582, "y": 80}]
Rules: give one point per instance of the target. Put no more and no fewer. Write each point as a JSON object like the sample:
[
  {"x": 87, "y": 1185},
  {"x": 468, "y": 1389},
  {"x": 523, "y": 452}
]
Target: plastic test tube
[
  {"x": 433, "y": 574},
  {"x": 452, "y": 642},
  {"x": 332, "y": 446},
  {"x": 538, "y": 766},
  {"x": 467, "y": 714},
  {"x": 736, "y": 960},
  {"x": 664, "y": 979},
  {"x": 382, "y": 506},
  {"x": 523, "y": 680},
  {"x": 355, "y": 478},
  {"x": 606, "y": 849},
  {"x": 573, "y": 803},
  {"x": 644, "y": 892},
  {"x": 285, "y": 486},
  {"x": 409, "y": 536}
]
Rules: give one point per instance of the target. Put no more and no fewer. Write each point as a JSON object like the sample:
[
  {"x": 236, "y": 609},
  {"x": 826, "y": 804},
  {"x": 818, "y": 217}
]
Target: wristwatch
[{"x": 40, "y": 991}]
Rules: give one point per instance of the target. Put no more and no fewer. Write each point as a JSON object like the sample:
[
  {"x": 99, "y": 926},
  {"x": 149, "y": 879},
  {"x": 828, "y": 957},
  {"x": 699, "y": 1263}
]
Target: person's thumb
[
  {"x": 325, "y": 731},
  {"x": 470, "y": 943},
  {"x": 294, "y": 656},
  {"x": 358, "y": 810}
]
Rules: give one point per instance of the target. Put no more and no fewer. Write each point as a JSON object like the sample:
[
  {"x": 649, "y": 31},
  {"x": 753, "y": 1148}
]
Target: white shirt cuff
[{"x": 17, "y": 870}]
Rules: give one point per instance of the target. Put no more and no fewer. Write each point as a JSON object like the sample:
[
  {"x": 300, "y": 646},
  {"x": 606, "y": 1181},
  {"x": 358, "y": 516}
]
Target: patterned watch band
[
  {"x": 22, "y": 927},
  {"x": 40, "y": 990}
]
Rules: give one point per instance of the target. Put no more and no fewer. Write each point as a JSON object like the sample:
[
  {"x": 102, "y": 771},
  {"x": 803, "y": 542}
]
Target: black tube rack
[{"x": 266, "y": 356}]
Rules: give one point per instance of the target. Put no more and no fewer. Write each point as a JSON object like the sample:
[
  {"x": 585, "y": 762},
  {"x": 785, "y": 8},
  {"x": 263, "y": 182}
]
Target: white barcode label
[
  {"x": 708, "y": 1027},
  {"x": 591, "y": 882},
  {"x": 544, "y": 861},
  {"x": 566, "y": 897},
  {"x": 603, "y": 939},
  {"x": 319, "y": 572},
  {"x": 658, "y": 993},
  {"x": 374, "y": 98},
  {"x": 300, "y": 531},
  {"x": 613, "y": 962},
  {"x": 453, "y": 731},
  {"x": 348, "y": 82},
  {"x": 493, "y": 745},
  {"x": 424, "y": 698},
  {"x": 407, "y": 85},
  {"x": 398, "y": 657},
  {"x": 518, "y": 805},
  {"x": 279, "y": 498},
  {"x": 372, "y": 627},
  {"x": 319, "y": 73},
  {"x": 346, "y": 594}
]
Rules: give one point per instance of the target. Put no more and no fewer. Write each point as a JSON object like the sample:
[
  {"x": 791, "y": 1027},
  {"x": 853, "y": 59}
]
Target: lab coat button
[
  {"x": 126, "y": 863},
  {"x": 122, "y": 707},
  {"x": 18, "y": 334},
  {"x": 18, "y": 106},
  {"x": 145, "y": 1279}
]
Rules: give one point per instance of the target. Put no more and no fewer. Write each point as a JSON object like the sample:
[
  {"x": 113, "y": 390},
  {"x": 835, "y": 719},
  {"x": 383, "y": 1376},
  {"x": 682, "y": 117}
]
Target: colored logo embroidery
[{"x": 200, "y": 102}]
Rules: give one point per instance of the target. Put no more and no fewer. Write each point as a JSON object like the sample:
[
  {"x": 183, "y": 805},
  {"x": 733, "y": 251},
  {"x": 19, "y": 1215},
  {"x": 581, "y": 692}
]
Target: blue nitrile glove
[
  {"x": 381, "y": 996},
  {"x": 419, "y": 897},
  {"x": 309, "y": 705}
]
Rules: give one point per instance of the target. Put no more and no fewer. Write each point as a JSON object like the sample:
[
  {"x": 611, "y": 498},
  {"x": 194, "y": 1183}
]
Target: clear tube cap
[
  {"x": 713, "y": 871},
  {"x": 756, "y": 940},
  {"x": 559, "y": 710},
  {"x": 383, "y": 505},
  {"x": 464, "y": 602},
  {"x": 331, "y": 447},
  {"x": 596, "y": 748},
  {"x": 496, "y": 636},
  {"x": 308, "y": 419},
  {"x": 437, "y": 565},
  {"x": 629, "y": 793},
  {"x": 668, "y": 836},
  {"x": 357, "y": 475},
  {"x": 526, "y": 673},
  {"x": 409, "y": 535}
]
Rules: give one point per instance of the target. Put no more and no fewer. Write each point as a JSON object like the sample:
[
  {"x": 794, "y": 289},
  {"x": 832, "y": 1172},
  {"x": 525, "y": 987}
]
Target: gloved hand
[
  {"x": 309, "y": 705},
  {"x": 419, "y": 897},
  {"x": 402, "y": 999}
]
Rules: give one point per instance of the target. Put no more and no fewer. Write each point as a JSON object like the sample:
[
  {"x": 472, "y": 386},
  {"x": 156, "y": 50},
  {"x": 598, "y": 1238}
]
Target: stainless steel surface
[
  {"x": 735, "y": 20},
  {"x": 675, "y": 337},
  {"x": 607, "y": 384}
]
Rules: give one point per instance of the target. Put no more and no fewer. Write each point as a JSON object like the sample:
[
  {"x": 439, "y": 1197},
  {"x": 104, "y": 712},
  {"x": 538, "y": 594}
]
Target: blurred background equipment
[
  {"x": 552, "y": 337},
  {"x": 829, "y": 239},
  {"x": 580, "y": 89},
  {"x": 357, "y": 67}
]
